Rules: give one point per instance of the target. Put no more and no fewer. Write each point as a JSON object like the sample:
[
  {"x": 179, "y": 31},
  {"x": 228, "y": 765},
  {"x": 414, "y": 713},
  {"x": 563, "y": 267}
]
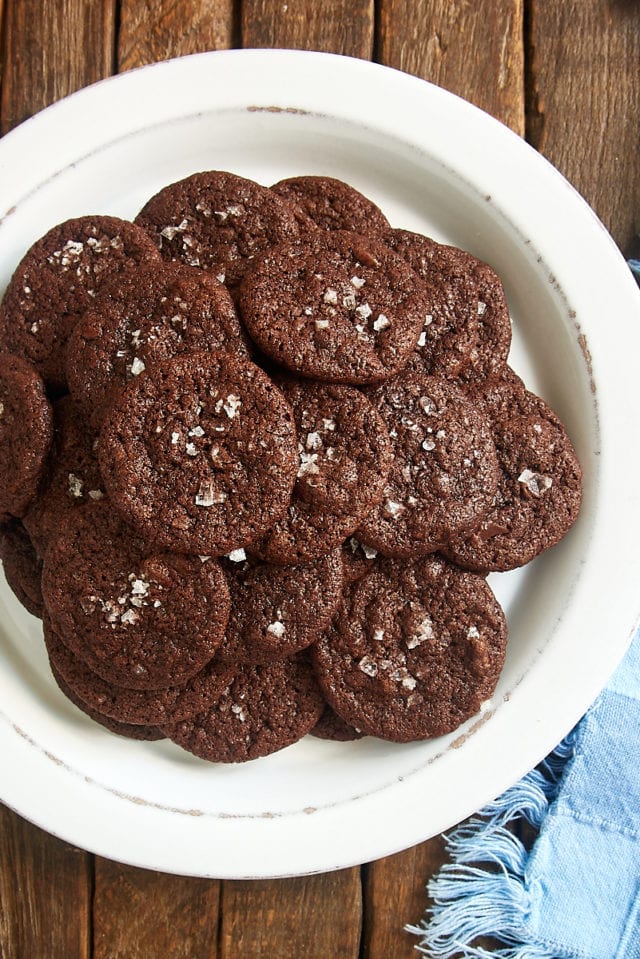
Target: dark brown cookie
[
  {"x": 265, "y": 709},
  {"x": 445, "y": 469},
  {"x": 539, "y": 489},
  {"x": 72, "y": 476},
  {"x": 22, "y": 566},
  {"x": 277, "y": 611},
  {"x": 337, "y": 307},
  {"x": 357, "y": 559},
  {"x": 128, "y": 730},
  {"x": 140, "y": 619},
  {"x": 142, "y": 318},
  {"x": 217, "y": 221},
  {"x": 199, "y": 453},
  {"x": 331, "y": 726},
  {"x": 344, "y": 460},
  {"x": 416, "y": 650},
  {"x": 136, "y": 706},
  {"x": 330, "y": 204},
  {"x": 452, "y": 329},
  {"x": 56, "y": 281},
  {"x": 26, "y": 431}
]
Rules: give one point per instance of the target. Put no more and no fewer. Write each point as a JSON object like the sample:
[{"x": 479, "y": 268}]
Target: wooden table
[{"x": 565, "y": 74}]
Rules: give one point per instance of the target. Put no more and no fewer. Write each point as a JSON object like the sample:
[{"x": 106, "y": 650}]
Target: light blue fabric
[{"x": 576, "y": 893}]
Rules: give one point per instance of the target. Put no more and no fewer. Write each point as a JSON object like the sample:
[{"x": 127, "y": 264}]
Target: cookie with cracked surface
[
  {"x": 72, "y": 476},
  {"x": 445, "y": 468},
  {"x": 22, "y": 566},
  {"x": 26, "y": 432},
  {"x": 199, "y": 453},
  {"x": 136, "y": 706},
  {"x": 142, "y": 318},
  {"x": 330, "y": 204},
  {"x": 55, "y": 282},
  {"x": 217, "y": 221},
  {"x": 337, "y": 307},
  {"x": 539, "y": 488},
  {"x": 138, "y": 618},
  {"x": 264, "y": 709},
  {"x": 277, "y": 611},
  {"x": 344, "y": 458},
  {"x": 418, "y": 650}
]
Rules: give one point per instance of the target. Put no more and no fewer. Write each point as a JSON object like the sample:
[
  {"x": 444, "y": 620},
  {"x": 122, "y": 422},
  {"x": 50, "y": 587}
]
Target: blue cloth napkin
[{"x": 576, "y": 892}]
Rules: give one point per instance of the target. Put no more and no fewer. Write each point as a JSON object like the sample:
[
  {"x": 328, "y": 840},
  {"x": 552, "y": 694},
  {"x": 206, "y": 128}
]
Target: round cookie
[
  {"x": 445, "y": 469},
  {"x": 128, "y": 730},
  {"x": 22, "y": 566},
  {"x": 137, "y": 618},
  {"x": 72, "y": 476},
  {"x": 26, "y": 431},
  {"x": 344, "y": 458},
  {"x": 539, "y": 488},
  {"x": 331, "y": 726},
  {"x": 451, "y": 330},
  {"x": 199, "y": 453},
  {"x": 217, "y": 221},
  {"x": 142, "y": 318},
  {"x": 265, "y": 709},
  {"x": 277, "y": 611},
  {"x": 56, "y": 281},
  {"x": 417, "y": 650},
  {"x": 338, "y": 307},
  {"x": 136, "y": 706},
  {"x": 330, "y": 204}
]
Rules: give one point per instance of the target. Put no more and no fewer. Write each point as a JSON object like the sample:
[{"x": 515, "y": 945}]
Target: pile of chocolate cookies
[{"x": 258, "y": 452}]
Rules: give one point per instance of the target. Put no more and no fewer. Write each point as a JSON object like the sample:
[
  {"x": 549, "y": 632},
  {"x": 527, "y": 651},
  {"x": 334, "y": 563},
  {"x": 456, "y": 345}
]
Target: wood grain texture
[
  {"x": 315, "y": 917},
  {"x": 138, "y": 914},
  {"x": 471, "y": 47},
  {"x": 45, "y": 894},
  {"x": 584, "y": 101},
  {"x": 50, "y": 50},
  {"x": 333, "y": 26},
  {"x": 152, "y": 30},
  {"x": 394, "y": 896}
]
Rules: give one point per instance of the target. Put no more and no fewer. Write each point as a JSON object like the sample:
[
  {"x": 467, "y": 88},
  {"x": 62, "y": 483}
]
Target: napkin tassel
[{"x": 471, "y": 900}]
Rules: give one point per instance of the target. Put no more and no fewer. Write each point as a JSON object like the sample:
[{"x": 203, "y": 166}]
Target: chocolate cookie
[
  {"x": 445, "y": 469},
  {"x": 276, "y": 611},
  {"x": 331, "y": 726},
  {"x": 344, "y": 460},
  {"x": 128, "y": 730},
  {"x": 339, "y": 307},
  {"x": 330, "y": 204},
  {"x": 136, "y": 706},
  {"x": 357, "y": 559},
  {"x": 72, "y": 476},
  {"x": 137, "y": 618},
  {"x": 199, "y": 453},
  {"x": 418, "y": 648},
  {"x": 22, "y": 566},
  {"x": 265, "y": 709},
  {"x": 26, "y": 430},
  {"x": 217, "y": 221},
  {"x": 142, "y": 318},
  {"x": 539, "y": 488},
  {"x": 56, "y": 281}
]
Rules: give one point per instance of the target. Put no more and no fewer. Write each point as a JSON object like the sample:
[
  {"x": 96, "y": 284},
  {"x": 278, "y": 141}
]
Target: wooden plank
[
  {"x": 472, "y": 49},
  {"x": 50, "y": 50},
  {"x": 395, "y": 896},
  {"x": 152, "y": 30},
  {"x": 584, "y": 77},
  {"x": 314, "y": 916},
  {"x": 138, "y": 914},
  {"x": 45, "y": 893},
  {"x": 334, "y": 26}
]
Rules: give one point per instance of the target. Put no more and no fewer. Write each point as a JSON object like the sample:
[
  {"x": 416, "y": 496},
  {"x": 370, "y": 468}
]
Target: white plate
[{"x": 436, "y": 164}]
